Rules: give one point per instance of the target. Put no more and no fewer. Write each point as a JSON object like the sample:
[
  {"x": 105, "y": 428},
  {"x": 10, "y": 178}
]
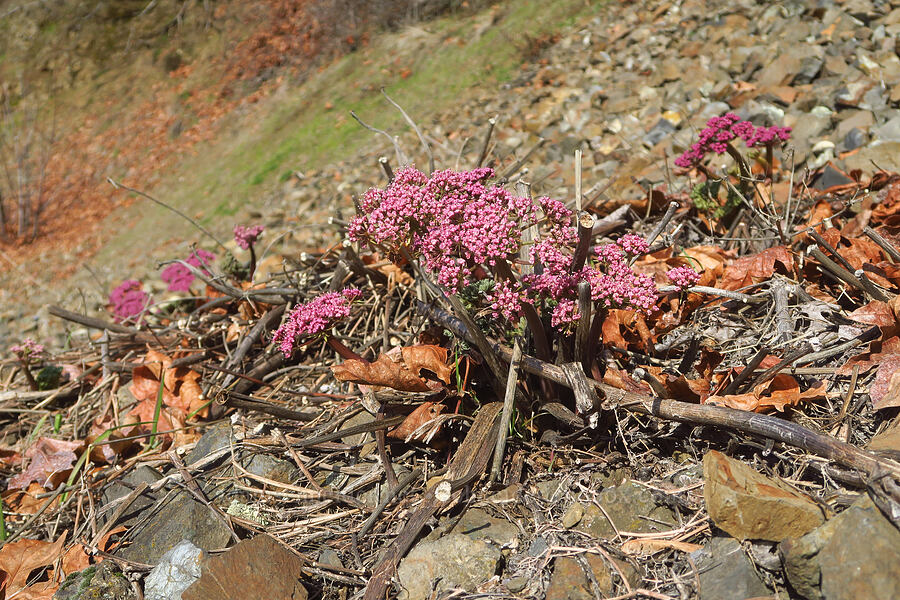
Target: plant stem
[
  {"x": 542, "y": 345},
  {"x": 28, "y": 376},
  {"x": 345, "y": 352}
]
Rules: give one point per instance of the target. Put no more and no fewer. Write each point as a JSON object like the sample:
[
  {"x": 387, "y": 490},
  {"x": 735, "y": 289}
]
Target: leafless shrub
[{"x": 27, "y": 134}]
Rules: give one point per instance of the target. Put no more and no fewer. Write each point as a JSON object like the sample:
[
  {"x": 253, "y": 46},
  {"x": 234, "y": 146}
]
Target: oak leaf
[
  {"x": 780, "y": 391},
  {"x": 19, "y": 559},
  {"x": 756, "y": 268},
  {"x": 400, "y": 370},
  {"x": 411, "y": 427},
  {"x": 50, "y": 462}
]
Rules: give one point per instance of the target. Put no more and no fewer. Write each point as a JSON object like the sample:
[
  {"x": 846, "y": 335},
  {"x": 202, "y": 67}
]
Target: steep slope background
[{"x": 213, "y": 107}]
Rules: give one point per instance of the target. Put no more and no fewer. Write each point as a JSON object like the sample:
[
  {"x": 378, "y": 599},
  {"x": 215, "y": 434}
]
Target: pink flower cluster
[
  {"x": 613, "y": 282},
  {"x": 683, "y": 276},
  {"x": 720, "y": 131},
  {"x": 247, "y": 236},
  {"x": 455, "y": 222},
  {"x": 128, "y": 300},
  {"x": 180, "y": 277},
  {"x": 314, "y": 317},
  {"x": 27, "y": 349}
]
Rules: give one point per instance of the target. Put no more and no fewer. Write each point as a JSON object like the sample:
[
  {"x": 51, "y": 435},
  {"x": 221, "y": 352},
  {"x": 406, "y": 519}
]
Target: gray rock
[
  {"x": 218, "y": 436},
  {"x": 479, "y": 525},
  {"x": 270, "y": 467},
  {"x": 177, "y": 569},
  {"x": 631, "y": 507},
  {"x": 124, "y": 486},
  {"x": 855, "y": 138},
  {"x": 98, "y": 582},
  {"x": 662, "y": 130},
  {"x": 538, "y": 546},
  {"x": 854, "y": 555},
  {"x": 454, "y": 561},
  {"x": 726, "y": 573},
  {"x": 889, "y": 132},
  {"x": 181, "y": 518},
  {"x": 327, "y": 556},
  {"x": 886, "y": 155}
]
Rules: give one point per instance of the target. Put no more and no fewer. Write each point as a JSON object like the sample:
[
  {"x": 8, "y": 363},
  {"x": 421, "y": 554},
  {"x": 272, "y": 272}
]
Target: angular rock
[
  {"x": 181, "y": 518},
  {"x": 215, "y": 438},
  {"x": 104, "y": 581},
  {"x": 256, "y": 569},
  {"x": 853, "y": 555},
  {"x": 479, "y": 525},
  {"x": 886, "y": 155},
  {"x": 453, "y": 561},
  {"x": 569, "y": 581},
  {"x": 177, "y": 569},
  {"x": 124, "y": 486},
  {"x": 889, "y": 132},
  {"x": 271, "y": 467},
  {"x": 726, "y": 573},
  {"x": 631, "y": 507},
  {"x": 748, "y": 505}
]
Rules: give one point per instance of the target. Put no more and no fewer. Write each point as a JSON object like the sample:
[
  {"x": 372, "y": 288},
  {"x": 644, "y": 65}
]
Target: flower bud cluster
[
  {"x": 683, "y": 276},
  {"x": 314, "y": 317},
  {"x": 27, "y": 349},
  {"x": 128, "y": 300},
  {"x": 456, "y": 224},
  {"x": 247, "y": 236},
  {"x": 180, "y": 277},
  {"x": 720, "y": 131}
]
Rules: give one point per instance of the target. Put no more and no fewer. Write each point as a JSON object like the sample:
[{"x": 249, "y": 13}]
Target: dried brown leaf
[
  {"x": 398, "y": 370},
  {"x": 885, "y": 390},
  {"x": 50, "y": 461},
  {"x": 425, "y": 412},
  {"x": 754, "y": 269},
  {"x": 19, "y": 559}
]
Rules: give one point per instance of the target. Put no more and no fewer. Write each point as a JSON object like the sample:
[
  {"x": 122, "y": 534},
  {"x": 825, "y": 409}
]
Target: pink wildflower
[
  {"x": 247, "y": 236},
  {"x": 180, "y": 277},
  {"x": 683, "y": 276},
  {"x": 565, "y": 315},
  {"x": 128, "y": 300},
  {"x": 720, "y": 131},
  {"x": 27, "y": 349},
  {"x": 314, "y": 317},
  {"x": 633, "y": 244},
  {"x": 506, "y": 301}
]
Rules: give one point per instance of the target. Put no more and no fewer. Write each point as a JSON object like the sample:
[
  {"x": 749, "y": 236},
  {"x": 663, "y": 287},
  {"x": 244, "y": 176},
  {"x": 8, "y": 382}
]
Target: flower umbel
[
  {"x": 28, "y": 349},
  {"x": 314, "y": 317},
  {"x": 245, "y": 237},
  {"x": 128, "y": 300},
  {"x": 720, "y": 131},
  {"x": 683, "y": 276},
  {"x": 180, "y": 277}
]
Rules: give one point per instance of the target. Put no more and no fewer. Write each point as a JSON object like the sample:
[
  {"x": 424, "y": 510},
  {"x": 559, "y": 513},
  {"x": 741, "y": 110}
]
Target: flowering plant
[
  {"x": 246, "y": 237},
  {"x": 462, "y": 228},
  {"x": 314, "y": 318},
  {"x": 717, "y": 138},
  {"x": 27, "y": 351},
  {"x": 179, "y": 277},
  {"x": 128, "y": 300}
]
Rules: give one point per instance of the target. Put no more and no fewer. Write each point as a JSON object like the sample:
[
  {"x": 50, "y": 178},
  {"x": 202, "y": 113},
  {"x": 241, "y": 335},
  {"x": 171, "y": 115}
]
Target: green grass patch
[{"x": 428, "y": 69}]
